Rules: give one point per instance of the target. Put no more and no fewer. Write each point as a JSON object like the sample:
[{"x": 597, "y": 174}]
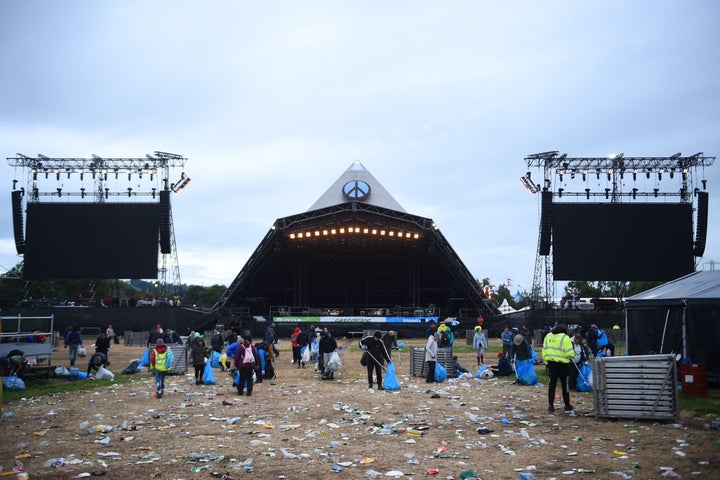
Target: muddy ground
[{"x": 299, "y": 426}]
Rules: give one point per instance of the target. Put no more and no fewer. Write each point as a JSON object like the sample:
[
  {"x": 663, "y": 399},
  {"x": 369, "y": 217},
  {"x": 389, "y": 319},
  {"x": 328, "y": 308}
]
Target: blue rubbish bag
[
  {"x": 584, "y": 381},
  {"x": 534, "y": 356},
  {"x": 215, "y": 359},
  {"x": 440, "y": 373},
  {"x": 13, "y": 383},
  {"x": 145, "y": 359},
  {"x": 391, "y": 380},
  {"x": 526, "y": 372},
  {"x": 480, "y": 370},
  {"x": 208, "y": 377}
]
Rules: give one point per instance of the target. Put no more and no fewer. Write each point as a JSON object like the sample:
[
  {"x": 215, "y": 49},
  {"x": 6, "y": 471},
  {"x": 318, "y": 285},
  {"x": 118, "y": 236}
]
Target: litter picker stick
[{"x": 585, "y": 380}]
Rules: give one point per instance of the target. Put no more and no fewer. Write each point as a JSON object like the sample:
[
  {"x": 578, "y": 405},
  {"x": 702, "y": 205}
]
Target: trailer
[{"x": 32, "y": 335}]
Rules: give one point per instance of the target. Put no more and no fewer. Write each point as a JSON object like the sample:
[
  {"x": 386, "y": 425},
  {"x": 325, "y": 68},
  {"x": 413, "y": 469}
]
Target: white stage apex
[{"x": 357, "y": 185}]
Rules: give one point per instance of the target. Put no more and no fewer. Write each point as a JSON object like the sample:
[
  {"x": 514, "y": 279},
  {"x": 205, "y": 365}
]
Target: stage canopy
[{"x": 356, "y": 251}]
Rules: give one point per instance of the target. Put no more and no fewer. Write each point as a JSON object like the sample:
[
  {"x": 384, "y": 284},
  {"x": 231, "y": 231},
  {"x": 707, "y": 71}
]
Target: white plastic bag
[
  {"x": 62, "y": 371},
  {"x": 81, "y": 352},
  {"x": 334, "y": 364},
  {"x": 103, "y": 373},
  {"x": 306, "y": 355}
]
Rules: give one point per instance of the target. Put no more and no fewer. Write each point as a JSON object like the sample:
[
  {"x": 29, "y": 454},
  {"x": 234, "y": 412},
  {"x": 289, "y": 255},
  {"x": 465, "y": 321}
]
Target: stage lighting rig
[
  {"x": 529, "y": 184},
  {"x": 610, "y": 174},
  {"x": 145, "y": 174},
  {"x": 181, "y": 184}
]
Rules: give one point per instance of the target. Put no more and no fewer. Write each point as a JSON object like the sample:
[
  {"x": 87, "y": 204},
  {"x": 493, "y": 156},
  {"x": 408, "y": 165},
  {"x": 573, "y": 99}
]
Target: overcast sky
[{"x": 441, "y": 101}]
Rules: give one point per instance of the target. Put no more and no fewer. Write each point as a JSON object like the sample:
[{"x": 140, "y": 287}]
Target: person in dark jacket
[
  {"x": 217, "y": 342},
  {"x": 390, "y": 341},
  {"x": 326, "y": 347},
  {"x": 97, "y": 360},
  {"x": 378, "y": 355},
  {"x": 503, "y": 367},
  {"x": 271, "y": 339},
  {"x": 171, "y": 337},
  {"x": 246, "y": 364},
  {"x": 73, "y": 341},
  {"x": 102, "y": 345},
  {"x": 154, "y": 335},
  {"x": 302, "y": 341},
  {"x": 520, "y": 349},
  {"x": 199, "y": 354}
]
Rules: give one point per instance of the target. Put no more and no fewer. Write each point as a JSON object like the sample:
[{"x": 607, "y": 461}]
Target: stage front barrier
[
  {"x": 636, "y": 386},
  {"x": 418, "y": 367},
  {"x": 135, "y": 339}
]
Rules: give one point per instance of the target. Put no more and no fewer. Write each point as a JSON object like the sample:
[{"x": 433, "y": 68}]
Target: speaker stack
[
  {"x": 545, "y": 222},
  {"x": 17, "y": 214},
  {"x": 165, "y": 244},
  {"x": 701, "y": 224}
]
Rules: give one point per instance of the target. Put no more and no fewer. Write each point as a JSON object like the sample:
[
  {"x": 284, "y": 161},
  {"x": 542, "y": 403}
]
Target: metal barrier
[
  {"x": 636, "y": 386},
  {"x": 180, "y": 360},
  {"x": 418, "y": 366},
  {"x": 135, "y": 339}
]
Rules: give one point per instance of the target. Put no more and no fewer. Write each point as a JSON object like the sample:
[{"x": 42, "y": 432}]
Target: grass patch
[{"x": 41, "y": 387}]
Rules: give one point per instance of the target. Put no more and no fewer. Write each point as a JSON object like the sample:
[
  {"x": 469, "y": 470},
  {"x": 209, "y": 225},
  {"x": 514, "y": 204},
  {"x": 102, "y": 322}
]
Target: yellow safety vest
[
  {"x": 557, "y": 347},
  {"x": 161, "y": 361}
]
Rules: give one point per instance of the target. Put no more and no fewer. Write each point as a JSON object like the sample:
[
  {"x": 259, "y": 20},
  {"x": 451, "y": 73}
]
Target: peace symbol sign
[{"x": 356, "y": 190}]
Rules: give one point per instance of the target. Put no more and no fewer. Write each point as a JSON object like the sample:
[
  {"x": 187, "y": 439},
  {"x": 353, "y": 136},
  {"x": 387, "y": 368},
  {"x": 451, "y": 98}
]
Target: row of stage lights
[
  {"x": 634, "y": 192},
  {"x": 648, "y": 172},
  {"x": 354, "y": 230},
  {"x": 103, "y": 172}
]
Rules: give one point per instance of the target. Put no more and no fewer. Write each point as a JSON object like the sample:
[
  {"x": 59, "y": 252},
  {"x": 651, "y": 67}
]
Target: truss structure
[
  {"x": 621, "y": 176},
  {"x": 45, "y": 173},
  {"x": 614, "y": 179}
]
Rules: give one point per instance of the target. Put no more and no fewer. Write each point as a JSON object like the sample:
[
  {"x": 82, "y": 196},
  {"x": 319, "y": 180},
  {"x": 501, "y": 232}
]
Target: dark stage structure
[
  {"x": 97, "y": 218},
  {"x": 615, "y": 219},
  {"x": 356, "y": 259}
]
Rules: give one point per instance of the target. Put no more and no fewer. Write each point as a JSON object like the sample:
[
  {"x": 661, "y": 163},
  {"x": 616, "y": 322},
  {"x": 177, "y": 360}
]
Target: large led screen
[
  {"x": 621, "y": 242},
  {"x": 91, "y": 240}
]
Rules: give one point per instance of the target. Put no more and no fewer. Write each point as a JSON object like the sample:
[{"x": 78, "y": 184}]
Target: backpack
[
  {"x": 248, "y": 357},
  {"x": 444, "y": 339}
]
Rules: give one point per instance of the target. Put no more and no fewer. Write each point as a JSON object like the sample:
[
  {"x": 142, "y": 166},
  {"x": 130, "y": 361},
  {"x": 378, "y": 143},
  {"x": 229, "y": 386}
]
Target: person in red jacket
[{"x": 295, "y": 345}]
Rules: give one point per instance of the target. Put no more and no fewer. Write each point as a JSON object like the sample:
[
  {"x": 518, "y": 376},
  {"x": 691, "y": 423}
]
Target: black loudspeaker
[
  {"x": 17, "y": 214},
  {"x": 545, "y": 222},
  {"x": 165, "y": 246},
  {"x": 701, "y": 224}
]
